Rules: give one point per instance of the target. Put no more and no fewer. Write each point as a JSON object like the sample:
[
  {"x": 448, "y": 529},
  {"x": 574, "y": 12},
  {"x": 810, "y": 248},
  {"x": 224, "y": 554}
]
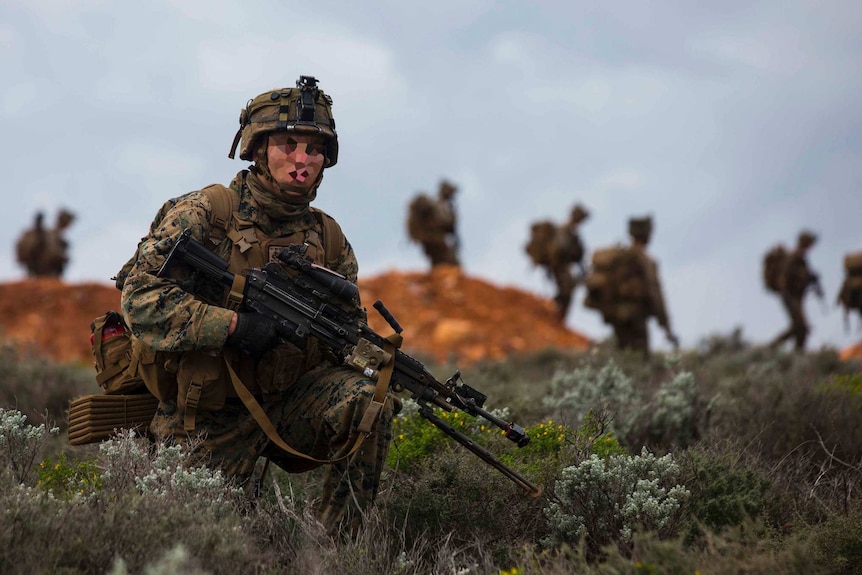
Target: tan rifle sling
[{"x": 224, "y": 203}]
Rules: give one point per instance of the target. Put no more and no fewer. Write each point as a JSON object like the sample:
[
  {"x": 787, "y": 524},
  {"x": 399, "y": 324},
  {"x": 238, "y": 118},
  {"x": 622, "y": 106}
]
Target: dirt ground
[{"x": 445, "y": 314}]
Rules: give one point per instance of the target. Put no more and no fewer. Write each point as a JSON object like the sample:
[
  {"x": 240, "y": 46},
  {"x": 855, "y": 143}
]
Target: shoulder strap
[
  {"x": 333, "y": 236},
  {"x": 224, "y": 202}
]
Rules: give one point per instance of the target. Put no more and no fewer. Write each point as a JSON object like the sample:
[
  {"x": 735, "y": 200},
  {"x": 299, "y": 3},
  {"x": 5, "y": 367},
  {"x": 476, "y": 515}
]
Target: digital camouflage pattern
[
  {"x": 162, "y": 312},
  {"x": 318, "y": 416},
  {"x": 313, "y": 402}
]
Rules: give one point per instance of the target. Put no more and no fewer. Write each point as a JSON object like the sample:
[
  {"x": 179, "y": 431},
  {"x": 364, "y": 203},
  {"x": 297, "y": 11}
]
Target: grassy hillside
[{"x": 725, "y": 459}]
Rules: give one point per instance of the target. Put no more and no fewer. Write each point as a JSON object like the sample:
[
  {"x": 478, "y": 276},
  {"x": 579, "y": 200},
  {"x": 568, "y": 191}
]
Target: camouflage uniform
[
  {"x": 44, "y": 252},
  {"x": 633, "y": 332},
  {"x": 31, "y": 245},
  {"x": 55, "y": 256},
  {"x": 797, "y": 278},
  {"x": 569, "y": 251},
  {"x": 314, "y": 402},
  {"x": 438, "y": 234}
]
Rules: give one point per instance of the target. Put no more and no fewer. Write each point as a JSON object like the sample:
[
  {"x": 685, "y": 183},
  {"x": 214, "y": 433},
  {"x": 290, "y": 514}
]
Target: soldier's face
[{"x": 295, "y": 159}]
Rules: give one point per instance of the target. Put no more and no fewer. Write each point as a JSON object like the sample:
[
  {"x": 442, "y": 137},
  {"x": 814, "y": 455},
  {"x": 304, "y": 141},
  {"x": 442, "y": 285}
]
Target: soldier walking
[
  {"x": 31, "y": 245},
  {"x": 558, "y": 249},
  {"x": 795, "y": 280},
  {"x": 624, "y": 286},
  {"x": 55, "y": 256},
  {"x": 45, "y": 252},
  {"x": 431, "y": 222}
]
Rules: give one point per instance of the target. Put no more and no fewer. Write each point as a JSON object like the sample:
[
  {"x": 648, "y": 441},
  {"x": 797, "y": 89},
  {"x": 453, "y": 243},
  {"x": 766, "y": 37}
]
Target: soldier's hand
[{"x": 255, "y": 333}]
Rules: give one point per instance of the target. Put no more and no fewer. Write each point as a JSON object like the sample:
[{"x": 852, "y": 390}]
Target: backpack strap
[
  {"x": 224, "y": 202},
  {"x": 333, "y": 236}
]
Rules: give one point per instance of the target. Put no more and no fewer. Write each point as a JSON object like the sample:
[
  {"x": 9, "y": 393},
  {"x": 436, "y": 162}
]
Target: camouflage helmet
[
  {"x": 304, "y": 109},
  {"x": 447, "y": 189},
  {"x": 807, "y": 238},
  {"x": 579, "y": 213},
  {"x": 640, "y": 228},
  {"x": 65, "y": 217}
]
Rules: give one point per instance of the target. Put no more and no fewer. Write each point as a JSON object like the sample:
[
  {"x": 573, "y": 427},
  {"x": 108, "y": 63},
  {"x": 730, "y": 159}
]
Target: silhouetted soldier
[
  {"x": 56, "y": 253},
  {"x": 796, "y": 279},
  {"x": 624, "y": 286},
  {"x": 31, "y": 245},
  {"x": 432, "y": 224},
  {"x": 557, "y": 249}
]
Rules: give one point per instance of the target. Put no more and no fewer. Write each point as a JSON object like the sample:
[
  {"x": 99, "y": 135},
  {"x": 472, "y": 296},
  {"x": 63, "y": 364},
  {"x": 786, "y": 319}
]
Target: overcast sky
[{"x": 734, "y": 125}]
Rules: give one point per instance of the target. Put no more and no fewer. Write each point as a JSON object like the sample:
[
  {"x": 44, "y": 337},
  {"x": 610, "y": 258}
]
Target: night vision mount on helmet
[{"x": 305, "y": 109}]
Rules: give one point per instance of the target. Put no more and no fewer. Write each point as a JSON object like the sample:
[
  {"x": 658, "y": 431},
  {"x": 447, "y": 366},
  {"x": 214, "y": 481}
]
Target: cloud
[
  {"x": 22, "y": 97},
  {"x": 160, "y": 161}
]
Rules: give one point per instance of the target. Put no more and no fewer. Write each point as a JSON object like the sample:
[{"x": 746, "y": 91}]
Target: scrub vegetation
[{"x": 728, "y": 458}]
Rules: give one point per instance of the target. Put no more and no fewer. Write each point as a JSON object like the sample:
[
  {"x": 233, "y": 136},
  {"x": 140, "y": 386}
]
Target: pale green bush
[
  {"x": 603, "y": 501},
  {"x": 575, "y": 393},
  {"x": 20, "y": 443}
]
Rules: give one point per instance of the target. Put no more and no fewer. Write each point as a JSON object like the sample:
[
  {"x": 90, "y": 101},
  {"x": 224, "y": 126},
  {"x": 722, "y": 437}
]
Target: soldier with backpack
[
  {"x": 623, "y": 285},
  {"x": 31, "y": 245},
  {"x": 557, "y": 249},
  {"x": 45, "y": 252},
  {"x": 789, "y": 276},
  {"x": 203, "y": 358},
  {"x": 850, "y": 294},
  {"x": 431, "y": 222},
  {"x": 55, "y": 256}
]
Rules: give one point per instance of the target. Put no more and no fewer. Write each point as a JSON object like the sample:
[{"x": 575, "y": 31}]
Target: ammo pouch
[
  {"x": 114, "y": 359},
  {"x": 200, "y": 386}
]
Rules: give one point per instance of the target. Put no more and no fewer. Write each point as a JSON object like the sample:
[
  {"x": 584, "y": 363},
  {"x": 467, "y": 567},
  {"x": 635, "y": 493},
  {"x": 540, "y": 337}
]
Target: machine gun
[{"x": 314, "y": 301}]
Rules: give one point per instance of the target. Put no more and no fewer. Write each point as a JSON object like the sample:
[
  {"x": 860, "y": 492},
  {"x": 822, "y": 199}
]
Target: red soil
[{"x": 445, "y": 314}]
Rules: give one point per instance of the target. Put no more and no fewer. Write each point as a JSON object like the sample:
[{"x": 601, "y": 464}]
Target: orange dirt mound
[
  {"x": 852, "y": 352},
  {"x": 445, "y": 314}
]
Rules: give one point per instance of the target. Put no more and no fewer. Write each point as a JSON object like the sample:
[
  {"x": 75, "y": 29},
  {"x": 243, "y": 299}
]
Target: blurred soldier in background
[
  {"x": 557, "y": 248},
  {"x": 56, "y": 254},
  {"x": 44, "y": 252},
  {"x": 432, "y": 224},
  {"x": 624, "y": 286},
  {"x": 31, "y": 244},
  {"x": 796, "y": 279},
  {"x": 850, "y": 294}
]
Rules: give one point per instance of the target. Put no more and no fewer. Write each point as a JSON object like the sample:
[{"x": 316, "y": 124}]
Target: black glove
[{"x": 255, "y": 333}]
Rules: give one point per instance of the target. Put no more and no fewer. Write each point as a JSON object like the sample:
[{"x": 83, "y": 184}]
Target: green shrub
[
  {"x": 576, "y": 393},
  {"x": 67, "y": 479},
  {"x": 606, "y": 501},
  {"x": 837, "y": 544},
  {"x": 20, "y": 444},
  {"x": 724, "y": 492}
]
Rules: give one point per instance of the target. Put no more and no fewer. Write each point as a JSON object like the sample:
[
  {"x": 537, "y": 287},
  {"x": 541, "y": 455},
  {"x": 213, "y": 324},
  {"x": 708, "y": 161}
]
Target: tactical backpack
[
  {"x": 540, "y": 245},
  {"x": 123, "y": 364},
  {"x": 850, "y": 295},
  {"x": 421, "y": 216},
  {"x": 774, "y": 268},
  {"x": 550, "y": 245},
  {"x": 29, "y": 246},
  {"x": 617, "y": 284}
]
